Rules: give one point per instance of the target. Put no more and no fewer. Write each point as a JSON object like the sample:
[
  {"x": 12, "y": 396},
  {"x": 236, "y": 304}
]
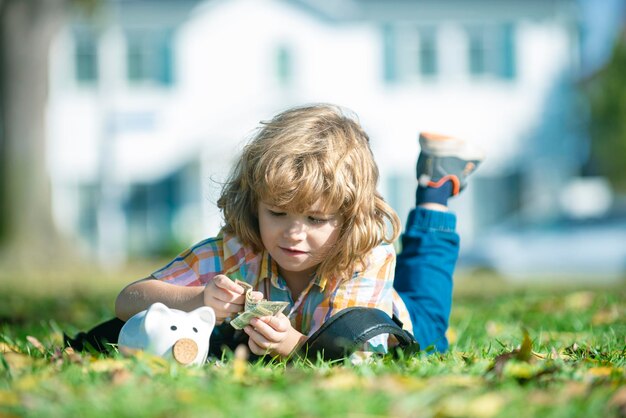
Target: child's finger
[
  {"x": 254, "y": 347},
  {"x": 223, "y": 282},
  {"x": 232, "y": 307},
  {"x": 259, "y": 339},
  {"x": 222, "y": 312},
  {"x": 266, "y": 330},
  {"x": 279, "y": 322},
  {"x": 217, "y": 302},
  {"x": 256, "y": 295},
  {"x": 225, "y": 295}
]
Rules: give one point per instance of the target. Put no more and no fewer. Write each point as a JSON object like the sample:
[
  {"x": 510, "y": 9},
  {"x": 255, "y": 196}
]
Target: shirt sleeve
[
  {"x": 195, "y": 266},
  {"x": 372, "y": 287}
]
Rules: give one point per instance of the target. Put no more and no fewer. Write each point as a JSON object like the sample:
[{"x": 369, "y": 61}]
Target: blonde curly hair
[{"x": 304, "y": 155}]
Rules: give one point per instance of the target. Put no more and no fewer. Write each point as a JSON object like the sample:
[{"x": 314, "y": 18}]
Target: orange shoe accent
[
  {"x": 469, "y": 167},
  {"x": 456, "y": 183},
  {"x": 434, "y": 136}
]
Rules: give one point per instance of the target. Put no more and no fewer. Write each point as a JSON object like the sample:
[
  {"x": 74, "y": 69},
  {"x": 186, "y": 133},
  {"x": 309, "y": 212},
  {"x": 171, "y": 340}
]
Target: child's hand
[
  {"x": 225, "y": 297},
  {"x": 274, "y": 335}
]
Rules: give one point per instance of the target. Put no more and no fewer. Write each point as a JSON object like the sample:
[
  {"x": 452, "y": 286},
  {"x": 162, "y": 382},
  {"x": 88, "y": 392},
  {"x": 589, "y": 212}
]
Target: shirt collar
[
  {"x": 269, "y": 269},
  {"x": 320, "y": 281}
]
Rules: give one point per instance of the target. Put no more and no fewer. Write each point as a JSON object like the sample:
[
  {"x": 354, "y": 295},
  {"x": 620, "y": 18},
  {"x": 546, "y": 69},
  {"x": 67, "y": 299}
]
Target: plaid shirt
[{"x": 322, "y": 298}]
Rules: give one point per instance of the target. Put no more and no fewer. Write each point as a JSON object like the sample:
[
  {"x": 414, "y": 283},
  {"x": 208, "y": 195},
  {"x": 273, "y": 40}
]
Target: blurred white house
[{"x": 151, "y": 100}]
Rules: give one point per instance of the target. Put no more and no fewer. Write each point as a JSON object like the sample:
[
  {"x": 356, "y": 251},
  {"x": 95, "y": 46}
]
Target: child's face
[{"x": 298, "y": 242}]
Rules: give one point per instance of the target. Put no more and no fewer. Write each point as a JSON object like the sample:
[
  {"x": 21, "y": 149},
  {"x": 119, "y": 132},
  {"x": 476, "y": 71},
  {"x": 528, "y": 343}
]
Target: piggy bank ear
[
  {"x": 206, "y": 314},
  {"x": 155, "y": 317}
]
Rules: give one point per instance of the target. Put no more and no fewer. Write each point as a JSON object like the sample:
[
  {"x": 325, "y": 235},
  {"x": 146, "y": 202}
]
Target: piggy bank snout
[{"x": 185, "y": 351}]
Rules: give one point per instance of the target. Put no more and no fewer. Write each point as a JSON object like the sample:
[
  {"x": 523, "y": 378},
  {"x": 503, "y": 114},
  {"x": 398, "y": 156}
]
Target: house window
[
  {"x": 87, "y": 223},
  {"x": 410, "y": 52},
  {"x": 491, "y": 51},
  {"x": 86, "y": 56},
  {"x": 390, "y": 70},
  {"x": 149, "y": 56},
  {"x": 427, "y": 52},
  {"x": 284, "y": 65},
  {"x": 477, "y": 53}
]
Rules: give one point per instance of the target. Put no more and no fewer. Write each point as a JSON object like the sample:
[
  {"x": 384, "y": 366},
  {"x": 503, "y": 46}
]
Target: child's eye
[
  {"x": 315, "y": 220},
  {"x": 276, "y": 213}
]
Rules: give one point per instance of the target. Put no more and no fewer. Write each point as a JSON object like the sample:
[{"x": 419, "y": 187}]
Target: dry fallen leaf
[
  {"x": 494, "y": 328},
  {"x": 36, "y": 343},
  {"x": 66, "y": 356},
  {"x": 486, "y": 406},
  {"x": 579, "y": 300},
  {"x": 595, "y": 373},
  {"x": 240, "y": 362},
  {"x": 120, "y": 376},
  {"x": 28, "y": 382},
  {"x": 342, "y": 379},
  {"x": 540, "y": 397},
  {"x": 618, "y": 401},
  {"x": 523, "y": 353},
  {"x": 519, "y": 370},
  {"x": 154, "y": 362},
  {"x": 554, "y": 355},
  {"x": 452, "y": 335},
  {"x": 395, "y": 384},
  {"x": 8, "y": 348},
  {"x": 526, "y": 349},
  {"x": 575, "y": 390},
  {"x": 522, "y": 363},
  {"x": 575, "y": 350},
  {"x": 604, "y": 317},
  {"x": 17, "y": 361},
  {"x": 106, "y": 365},
  {"x": 453, "y": 406},
  {"x": 72, "y": 356},
  {"x": 8, "y": 398},
  {"x": 458, "y": 380}
]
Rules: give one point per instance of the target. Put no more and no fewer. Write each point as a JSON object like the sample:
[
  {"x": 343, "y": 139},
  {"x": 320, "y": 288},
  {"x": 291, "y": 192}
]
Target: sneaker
[{"x": 444, "y": 158}]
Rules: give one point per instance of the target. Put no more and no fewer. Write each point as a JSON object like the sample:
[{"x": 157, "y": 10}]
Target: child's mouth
[{"x": 292, "y": 251}]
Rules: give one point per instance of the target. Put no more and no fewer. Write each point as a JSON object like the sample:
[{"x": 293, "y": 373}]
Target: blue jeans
[{"x": 430, "y": 248}]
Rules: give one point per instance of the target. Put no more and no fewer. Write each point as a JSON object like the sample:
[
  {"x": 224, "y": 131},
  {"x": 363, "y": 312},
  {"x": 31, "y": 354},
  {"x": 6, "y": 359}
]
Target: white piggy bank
[{"x": 170, "y": 333}]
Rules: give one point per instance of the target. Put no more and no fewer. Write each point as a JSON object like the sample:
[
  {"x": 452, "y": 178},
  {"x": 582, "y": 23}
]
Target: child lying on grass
[{"x": 304, "y": 224}]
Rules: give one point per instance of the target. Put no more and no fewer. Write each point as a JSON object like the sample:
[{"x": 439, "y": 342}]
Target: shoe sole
[{"x": 447, "y": 146}]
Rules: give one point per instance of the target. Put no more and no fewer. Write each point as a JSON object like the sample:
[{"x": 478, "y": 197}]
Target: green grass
[{"x": 516, "y": 352}]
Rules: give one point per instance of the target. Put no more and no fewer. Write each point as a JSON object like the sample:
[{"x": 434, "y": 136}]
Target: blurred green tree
[
  {"x": 27, "y": 232},
  {"x": 606, "y": 91}
]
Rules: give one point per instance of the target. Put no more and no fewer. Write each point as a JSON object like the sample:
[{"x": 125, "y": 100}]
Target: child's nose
[{"x": 295, "y": 230}]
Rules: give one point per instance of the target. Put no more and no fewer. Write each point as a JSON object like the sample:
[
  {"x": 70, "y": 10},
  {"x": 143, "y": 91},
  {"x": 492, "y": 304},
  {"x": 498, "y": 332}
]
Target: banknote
[
  {"x": 244, "y": 318},
  {"x": 264, "y": 308},
  {"x": 273, "y": 307},
  {"x": 254, "y": 308},
  {"x": 246, "y": 286},
  {"x": 250, "y": 302}
]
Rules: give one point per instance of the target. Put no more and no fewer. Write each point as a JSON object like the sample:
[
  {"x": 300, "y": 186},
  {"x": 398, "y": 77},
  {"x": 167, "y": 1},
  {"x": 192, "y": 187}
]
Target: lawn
[{"x": 517, "y": 351}]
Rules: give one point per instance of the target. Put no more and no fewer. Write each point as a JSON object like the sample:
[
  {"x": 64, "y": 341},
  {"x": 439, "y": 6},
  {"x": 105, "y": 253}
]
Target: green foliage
[
  {"x": 606, "y": 92},
  {"x": 515, "y": 351},
  {"x": 88, "y": 8}
]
